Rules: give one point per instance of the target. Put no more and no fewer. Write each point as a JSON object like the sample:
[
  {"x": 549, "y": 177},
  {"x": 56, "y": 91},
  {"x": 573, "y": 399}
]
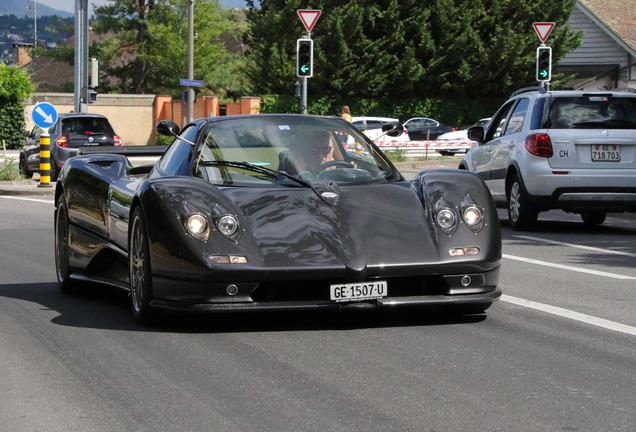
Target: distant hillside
[{"x": 21, "y": 8}]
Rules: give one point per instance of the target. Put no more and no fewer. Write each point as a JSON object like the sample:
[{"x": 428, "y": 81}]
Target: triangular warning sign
[
  {"x": 543, "y": 29},
  {"x": 309, "y": 17}
]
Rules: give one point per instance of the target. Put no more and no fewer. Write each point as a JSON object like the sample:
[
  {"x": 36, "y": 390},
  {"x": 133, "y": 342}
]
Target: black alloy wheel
[
  {"x": 140, "y": 270},
  {"x": 522, "y": 215},
  {"x": 62, "y": 250}
]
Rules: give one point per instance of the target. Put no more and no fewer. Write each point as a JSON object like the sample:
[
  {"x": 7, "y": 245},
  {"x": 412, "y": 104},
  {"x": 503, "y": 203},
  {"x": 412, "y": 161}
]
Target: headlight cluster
[
  {"x": 198, "y": 225},
  {"x": 448, "y": 218}
]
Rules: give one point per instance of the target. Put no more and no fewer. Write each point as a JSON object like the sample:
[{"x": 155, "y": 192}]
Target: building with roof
[{"x": 606, "y": 58}]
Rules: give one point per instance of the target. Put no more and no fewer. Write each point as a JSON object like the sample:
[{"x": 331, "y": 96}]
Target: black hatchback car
[{"x": 68, "y": 134}]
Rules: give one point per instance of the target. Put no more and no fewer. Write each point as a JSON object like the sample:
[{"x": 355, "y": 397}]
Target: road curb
[{"x": 26, "y": 188}]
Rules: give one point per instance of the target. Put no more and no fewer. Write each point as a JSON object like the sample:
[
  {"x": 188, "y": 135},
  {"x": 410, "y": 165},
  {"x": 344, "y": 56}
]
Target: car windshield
[
  {"x": 593, "y": 111},
  {"x": 289, "y": 150}
]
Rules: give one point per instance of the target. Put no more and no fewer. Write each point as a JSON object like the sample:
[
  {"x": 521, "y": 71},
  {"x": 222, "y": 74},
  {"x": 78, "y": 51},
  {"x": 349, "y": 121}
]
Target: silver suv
[{"x": 568, "y": 150}]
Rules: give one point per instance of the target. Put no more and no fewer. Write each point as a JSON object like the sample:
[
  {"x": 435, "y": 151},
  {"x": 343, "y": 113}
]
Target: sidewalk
[
  {"x": 22, "y": 187},
  {"x": 32, "y": 187}
]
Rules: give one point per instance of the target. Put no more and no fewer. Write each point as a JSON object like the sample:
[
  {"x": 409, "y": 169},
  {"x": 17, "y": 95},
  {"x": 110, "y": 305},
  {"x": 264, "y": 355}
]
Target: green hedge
[{"x": 455, "y": 112}]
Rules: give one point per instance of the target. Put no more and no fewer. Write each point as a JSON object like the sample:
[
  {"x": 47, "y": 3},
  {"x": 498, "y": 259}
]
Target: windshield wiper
[{"x": 255, "y": 168}]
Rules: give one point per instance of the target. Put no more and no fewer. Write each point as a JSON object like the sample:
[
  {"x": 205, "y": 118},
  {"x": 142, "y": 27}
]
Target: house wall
[
  {"x": 598, "y": 51},
  {"x": 134, "y": 116}
]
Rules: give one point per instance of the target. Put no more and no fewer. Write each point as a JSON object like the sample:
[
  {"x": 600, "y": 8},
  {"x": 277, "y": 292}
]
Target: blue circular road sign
[{"x": 44, "y": 115}]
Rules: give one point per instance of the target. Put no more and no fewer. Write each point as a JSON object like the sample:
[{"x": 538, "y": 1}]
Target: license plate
[
  {"x": 359, "y": 291},
  {"x": 606, "y": 153}
]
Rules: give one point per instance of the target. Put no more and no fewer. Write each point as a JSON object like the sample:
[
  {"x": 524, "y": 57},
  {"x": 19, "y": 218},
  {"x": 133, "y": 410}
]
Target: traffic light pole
[{"x": 303, "y": 100}]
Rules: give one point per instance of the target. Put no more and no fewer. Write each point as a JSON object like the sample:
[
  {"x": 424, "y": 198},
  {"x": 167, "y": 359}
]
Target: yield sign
[
  {"x": 543, "y": 29},
  {"x": 309, "y": 17}
]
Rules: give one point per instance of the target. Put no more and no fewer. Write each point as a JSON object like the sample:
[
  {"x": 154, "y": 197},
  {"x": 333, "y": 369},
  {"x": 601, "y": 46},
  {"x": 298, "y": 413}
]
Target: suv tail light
[
  {"x": 61, "y": 141},
  {"x": 539, "y": 145},
  {"x": 118, "y": 140}
]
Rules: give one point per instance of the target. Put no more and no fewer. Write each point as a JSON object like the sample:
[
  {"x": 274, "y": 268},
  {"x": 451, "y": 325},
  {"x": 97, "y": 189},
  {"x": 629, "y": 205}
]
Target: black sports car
[{"x": 274, "y": 212}]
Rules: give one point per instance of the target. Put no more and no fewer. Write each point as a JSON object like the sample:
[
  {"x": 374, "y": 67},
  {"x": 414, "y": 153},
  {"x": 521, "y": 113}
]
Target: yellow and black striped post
[{"x": 45, "y": 159}]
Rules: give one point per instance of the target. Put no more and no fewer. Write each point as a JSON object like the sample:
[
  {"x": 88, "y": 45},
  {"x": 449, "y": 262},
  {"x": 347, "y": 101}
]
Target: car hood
[{"x": 368, "y": 226}]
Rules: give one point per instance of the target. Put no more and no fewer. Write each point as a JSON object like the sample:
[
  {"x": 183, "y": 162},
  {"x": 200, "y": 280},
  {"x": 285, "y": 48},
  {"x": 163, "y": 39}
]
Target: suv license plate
[
  {"x": 606, "y": 153},
  {"x": 359, "y": 291}
]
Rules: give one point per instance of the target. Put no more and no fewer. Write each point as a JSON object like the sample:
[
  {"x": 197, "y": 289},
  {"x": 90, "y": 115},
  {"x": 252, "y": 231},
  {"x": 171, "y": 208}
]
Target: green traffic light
[
  {"x": 304, "y": 58},
  {"x": 544, "y": 63}
]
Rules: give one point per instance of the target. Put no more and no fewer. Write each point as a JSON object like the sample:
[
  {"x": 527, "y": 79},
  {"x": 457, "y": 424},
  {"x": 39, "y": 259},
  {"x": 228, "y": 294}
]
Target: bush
[
  {"x": 15, "y": 87},
  {"x": 9, "y": 171},
  {"x": 396, "y": 155}
]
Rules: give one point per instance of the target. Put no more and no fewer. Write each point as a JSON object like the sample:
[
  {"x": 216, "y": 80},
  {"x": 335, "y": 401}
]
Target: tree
[
  {"x": 146, "y": 49},
  {"x": 15, "y": 88},
  {"x": 400, "y": 48}
]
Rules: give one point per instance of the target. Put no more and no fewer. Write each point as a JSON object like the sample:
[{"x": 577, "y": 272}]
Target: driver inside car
[{"x": 308, "y": 155}]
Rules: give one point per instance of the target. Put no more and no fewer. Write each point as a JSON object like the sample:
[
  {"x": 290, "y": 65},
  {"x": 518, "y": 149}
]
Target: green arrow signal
[
  {"x": 543, "y": 73},
  {"x": 304, "y": 68}
]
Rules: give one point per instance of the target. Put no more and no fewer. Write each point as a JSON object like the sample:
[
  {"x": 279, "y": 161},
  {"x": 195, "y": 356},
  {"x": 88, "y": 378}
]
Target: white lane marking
[
  {"x": 574, "y": 245},
  {"x": 28, "y": 199},
  {"x": 571, "y": 268},
  {"x": 599, "y": 322}
]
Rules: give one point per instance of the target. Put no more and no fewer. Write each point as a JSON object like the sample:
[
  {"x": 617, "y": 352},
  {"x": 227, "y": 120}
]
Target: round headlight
[
  {"x": 472, "y": 216},
  {"x": 196, "y": 224},
  {"x": 227, "y": 225},
  {"x": 445, "y": 219}
]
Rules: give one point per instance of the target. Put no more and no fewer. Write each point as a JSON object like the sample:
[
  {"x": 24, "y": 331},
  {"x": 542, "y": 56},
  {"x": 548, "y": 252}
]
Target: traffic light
[
  {"x": 304, "y": 58},
  {"x": 544, "y": 63}
]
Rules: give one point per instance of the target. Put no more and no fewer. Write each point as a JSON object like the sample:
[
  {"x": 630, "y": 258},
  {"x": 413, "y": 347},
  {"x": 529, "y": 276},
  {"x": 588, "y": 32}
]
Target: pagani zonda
[{"x": 273, "y": 212}]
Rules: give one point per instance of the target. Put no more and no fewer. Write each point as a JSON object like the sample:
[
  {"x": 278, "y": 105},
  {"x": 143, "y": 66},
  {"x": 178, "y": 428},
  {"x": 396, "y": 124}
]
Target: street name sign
[{"x": 191, "y": 83}]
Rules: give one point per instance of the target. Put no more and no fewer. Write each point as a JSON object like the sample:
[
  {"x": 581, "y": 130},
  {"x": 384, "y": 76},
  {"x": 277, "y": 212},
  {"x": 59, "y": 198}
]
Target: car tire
[
  {"x": 593, "y": 218},
  {"x": 62, "y": 249},
  {"x": 522, "y": 215},
  {"x": 140, "y": 269},
  {"x": 55, "y": 171},
  {"x": 24, "y": 168}
]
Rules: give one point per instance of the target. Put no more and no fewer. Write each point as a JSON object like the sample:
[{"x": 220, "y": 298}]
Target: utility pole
[
  {"x": 190, "y": 60},
  {"x": 35, "y": 23},
  {"x": 80, "y": 87}
]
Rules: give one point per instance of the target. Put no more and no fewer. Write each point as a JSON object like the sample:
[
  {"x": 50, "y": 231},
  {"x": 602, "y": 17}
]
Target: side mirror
[
  {"x": 167, "y": 128},
  {"x": 393, "y": 129},
  {"x": 476, "y": 133}
]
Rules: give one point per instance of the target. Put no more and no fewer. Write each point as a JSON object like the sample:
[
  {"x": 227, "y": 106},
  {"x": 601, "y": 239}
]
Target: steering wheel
[{"x": 334, "y": 163}]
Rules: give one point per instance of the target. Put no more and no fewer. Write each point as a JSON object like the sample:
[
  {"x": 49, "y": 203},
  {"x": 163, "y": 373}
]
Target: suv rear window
[
  {"x": 592, "y": 111},
  {"x": 82, "y": 126}
]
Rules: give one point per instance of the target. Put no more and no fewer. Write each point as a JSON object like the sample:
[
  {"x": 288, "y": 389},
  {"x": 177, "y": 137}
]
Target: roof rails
[
  {"x": 624, "y": 89},
  {"x": 529, "y": 89}
]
